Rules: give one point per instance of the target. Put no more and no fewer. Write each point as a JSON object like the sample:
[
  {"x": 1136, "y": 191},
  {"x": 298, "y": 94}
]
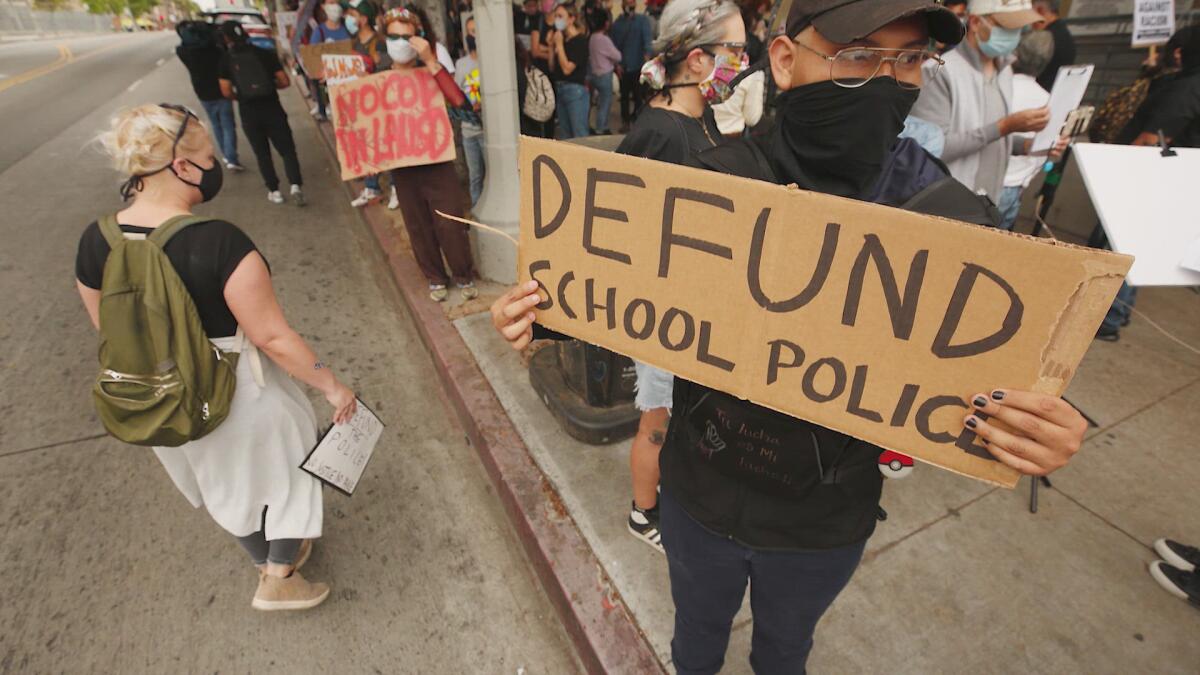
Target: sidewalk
[
  {"x": 105, "y": 566},
  {"x": 960, "y": 578}
]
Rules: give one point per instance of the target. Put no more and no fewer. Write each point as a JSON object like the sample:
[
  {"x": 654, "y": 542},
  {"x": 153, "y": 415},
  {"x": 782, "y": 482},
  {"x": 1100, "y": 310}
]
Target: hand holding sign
[{"x": 1040, "y": 433}]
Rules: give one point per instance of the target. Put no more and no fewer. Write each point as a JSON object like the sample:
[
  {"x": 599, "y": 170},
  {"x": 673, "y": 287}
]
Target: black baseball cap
[{"x": 844, "y": 21}]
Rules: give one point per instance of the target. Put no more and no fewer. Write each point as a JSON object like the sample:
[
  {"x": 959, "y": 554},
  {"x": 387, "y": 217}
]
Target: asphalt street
[{"x": 104, "y": 566}]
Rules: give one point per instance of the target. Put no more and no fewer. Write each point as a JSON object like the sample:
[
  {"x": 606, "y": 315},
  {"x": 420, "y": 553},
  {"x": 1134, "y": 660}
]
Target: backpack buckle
[{"x": 204, "y": 414}]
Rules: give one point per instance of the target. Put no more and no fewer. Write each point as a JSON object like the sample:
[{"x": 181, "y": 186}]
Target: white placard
[
  {"x": 342, "y": 454},
  {"x": 1144, "y": 202},
  {"x": 1070, "y": 84},
  {"x": 1191, "y": 259},
  {"x": 342, "y": 68},
  {"x": 1153, "y": 22}
]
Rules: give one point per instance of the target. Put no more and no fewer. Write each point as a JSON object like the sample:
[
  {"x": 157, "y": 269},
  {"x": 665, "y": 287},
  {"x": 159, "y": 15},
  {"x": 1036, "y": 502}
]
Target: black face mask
[
  {"x": 211, "y": 179},
  {"x": 470, "y": 43},
  {"x": 834, "y": 140}
]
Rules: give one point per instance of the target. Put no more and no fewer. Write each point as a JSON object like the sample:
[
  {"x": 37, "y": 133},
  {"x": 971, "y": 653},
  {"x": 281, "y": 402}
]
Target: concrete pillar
[{"x": 499, "y": 205}]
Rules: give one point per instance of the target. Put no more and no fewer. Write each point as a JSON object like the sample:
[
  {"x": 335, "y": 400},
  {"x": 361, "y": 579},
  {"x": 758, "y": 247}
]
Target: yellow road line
[{"x": 64, "y": 57}]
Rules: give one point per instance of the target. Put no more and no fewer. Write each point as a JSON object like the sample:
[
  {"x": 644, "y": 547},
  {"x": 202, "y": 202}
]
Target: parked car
[{"x": 258, "y": 30}]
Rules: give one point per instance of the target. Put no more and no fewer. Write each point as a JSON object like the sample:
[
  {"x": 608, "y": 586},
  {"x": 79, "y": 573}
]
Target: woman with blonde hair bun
[{"x": 245, "y": 471}]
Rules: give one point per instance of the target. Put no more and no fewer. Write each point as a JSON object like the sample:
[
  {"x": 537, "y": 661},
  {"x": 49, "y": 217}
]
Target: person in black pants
[{"x": 251, "y": 76}]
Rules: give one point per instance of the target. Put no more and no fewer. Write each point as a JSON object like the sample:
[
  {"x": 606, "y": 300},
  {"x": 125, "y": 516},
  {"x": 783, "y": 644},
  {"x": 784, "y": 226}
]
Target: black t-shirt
[
  {"x": 526, "y": 24},
  {"x": 203, "y": 64},
  {"x": 270, "y": 63},
  {"x": 544, "y": 64},
  {"x": 576, "y": 50},
  {"x": 670, "y": 136},
  {"x": 1064, "y": 54},
  {"x": 204, "y": 256},
  {"x": 1176, "y": 111}
]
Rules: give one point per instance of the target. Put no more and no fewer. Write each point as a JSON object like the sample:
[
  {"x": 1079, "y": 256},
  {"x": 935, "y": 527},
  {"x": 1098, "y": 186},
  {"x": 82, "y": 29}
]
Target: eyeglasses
[
  {"x": 727, "y": 45},
  {"x": 853, "y": 67}
]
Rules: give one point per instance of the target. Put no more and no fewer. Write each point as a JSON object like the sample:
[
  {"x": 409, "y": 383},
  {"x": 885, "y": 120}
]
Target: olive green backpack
[{"x": 161, "y": 381}]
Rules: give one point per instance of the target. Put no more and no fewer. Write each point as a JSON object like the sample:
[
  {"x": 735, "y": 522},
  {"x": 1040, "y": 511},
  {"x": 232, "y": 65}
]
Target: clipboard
[
  {"x": 1070, "y": 84},
  {"x": 341, "y": 455}
]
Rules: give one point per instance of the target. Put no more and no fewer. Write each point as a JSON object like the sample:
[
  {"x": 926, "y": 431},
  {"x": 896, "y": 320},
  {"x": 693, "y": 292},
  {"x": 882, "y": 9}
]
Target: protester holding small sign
[
  {"x": 427, "y": 188},
  {"x": 327, "y": 27},
  {"x": 792, "y": 517},
  {"x": 970, "y": 98},
  {"x": 245, "y": 472}
]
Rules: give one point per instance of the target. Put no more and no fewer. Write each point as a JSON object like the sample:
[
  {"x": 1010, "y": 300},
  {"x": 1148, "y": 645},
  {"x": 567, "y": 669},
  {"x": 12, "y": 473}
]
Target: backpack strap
[
  {"x": 163, "y": 233},
  {"x": 111, "y": 230}
]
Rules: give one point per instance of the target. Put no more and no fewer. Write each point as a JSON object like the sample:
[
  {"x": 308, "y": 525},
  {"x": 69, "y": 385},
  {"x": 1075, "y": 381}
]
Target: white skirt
[{"x": 252, "y": 460}]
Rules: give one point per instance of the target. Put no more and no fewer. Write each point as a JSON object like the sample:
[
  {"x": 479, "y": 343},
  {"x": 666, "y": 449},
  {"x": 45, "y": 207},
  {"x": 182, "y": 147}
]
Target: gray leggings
[{"x": 278, "y": 551}]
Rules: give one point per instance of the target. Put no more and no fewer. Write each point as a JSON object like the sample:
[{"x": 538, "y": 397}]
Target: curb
[{"x": 606, "y": 637}]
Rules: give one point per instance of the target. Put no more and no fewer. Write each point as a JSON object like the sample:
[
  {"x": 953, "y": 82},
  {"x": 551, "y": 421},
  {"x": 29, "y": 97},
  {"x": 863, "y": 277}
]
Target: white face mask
[
  {"x": 352, "y": 25},
  {"x": 333, "y": 12},
  {"x": 400, "y": 51},
  {"x": 560, "y": 25}
]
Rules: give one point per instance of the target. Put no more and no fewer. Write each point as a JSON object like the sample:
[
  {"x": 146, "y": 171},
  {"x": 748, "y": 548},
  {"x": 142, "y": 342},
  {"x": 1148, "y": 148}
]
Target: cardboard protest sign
[
  {"x": 342, "y": 68},
  {"x": 389, "y": 120},
  {"x": 1143, "y": 201},
  {"x": 310, "y": 55},
  {"x": 1153, "y": 22},
  {"x": 873, "y": 321}
]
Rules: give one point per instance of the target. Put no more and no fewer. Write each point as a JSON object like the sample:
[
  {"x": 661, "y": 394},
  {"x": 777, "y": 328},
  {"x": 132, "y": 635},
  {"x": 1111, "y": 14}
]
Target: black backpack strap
[
  {"x": 111, "y": 230},
  {"x": 949, "y": 198},
  {"x": 163, "y": 233}
]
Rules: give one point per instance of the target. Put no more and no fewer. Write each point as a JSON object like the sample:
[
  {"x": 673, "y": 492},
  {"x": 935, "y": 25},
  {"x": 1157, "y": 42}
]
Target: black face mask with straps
[
  {"x": 834, "y": 140},
  {"x": 211, "y": 179}
]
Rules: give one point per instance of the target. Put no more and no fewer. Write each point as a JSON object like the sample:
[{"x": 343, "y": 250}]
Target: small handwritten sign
[
  {"x": 390, "y": 120},
  {"x": 1153, "y": 22},
  {"x": 310, "y": 55},
  {"x": 342, "y": 68},
  {"x": 342, "y": 454}
]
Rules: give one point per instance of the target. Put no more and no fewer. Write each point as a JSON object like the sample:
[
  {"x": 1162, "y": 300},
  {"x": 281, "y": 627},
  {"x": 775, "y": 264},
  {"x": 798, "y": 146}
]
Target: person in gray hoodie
[{"x": 970, "y": 98}]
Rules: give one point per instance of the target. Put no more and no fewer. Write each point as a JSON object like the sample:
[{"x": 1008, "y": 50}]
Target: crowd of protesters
[{"x": 874, "y": 100}]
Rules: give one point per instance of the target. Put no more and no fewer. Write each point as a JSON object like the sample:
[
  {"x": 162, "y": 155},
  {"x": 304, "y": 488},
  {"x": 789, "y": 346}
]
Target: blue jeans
[
  {"x": 573, "y": 107},
  {"x": 1122, "y": 307},
  {"x": 476, "y": 169},
  {"x": 1010, "y": 204},
  {"x": 371, "y": 182},
  {"x": 220, "y": 115},
  {"x": 603, "y": 86},
  {"x": 789, "y": 592}
]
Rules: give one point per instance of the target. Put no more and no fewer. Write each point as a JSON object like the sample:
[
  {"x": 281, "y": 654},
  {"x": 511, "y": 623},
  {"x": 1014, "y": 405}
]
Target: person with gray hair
[
  {"x": 1063, "y": 45},
  {"x": 1032, "y": 54}
]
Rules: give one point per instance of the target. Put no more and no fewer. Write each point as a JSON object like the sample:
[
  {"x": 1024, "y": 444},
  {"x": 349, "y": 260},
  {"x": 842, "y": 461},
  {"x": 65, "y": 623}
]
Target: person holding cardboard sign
[
  {"x": 791, "y": 515},
  {"x": 425, "y": 189},
  {"x": 695, "y": 36}
]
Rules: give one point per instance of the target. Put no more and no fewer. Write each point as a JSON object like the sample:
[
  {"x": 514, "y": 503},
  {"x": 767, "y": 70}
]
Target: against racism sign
[
  {"x": 310, "y": 55},
  {"x": 389, "y": 120},
  {"x": 873, "y": 321},
  {"x": 342, "y": 68}
]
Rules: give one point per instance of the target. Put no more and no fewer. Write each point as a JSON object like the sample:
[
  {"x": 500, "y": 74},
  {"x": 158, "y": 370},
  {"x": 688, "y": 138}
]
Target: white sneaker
[
  {"x": 274, "y": 197},
  {"x": 365, "y": 197},
  {"x": 394, "y": 202},
  {"x": 298, "y": 196},
  {"x": 234, "y": 166}
]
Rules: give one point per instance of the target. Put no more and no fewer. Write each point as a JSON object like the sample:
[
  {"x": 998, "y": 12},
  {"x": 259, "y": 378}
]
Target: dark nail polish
[
  {"x": 979, "y": 401},
  {"x": 997, "y": 395},
  {"x": 972, "y": 422}
]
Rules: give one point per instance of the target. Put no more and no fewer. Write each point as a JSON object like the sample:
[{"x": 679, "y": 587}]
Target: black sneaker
[
  {"x": 644, "y": 526},
  {"x": 1186, "y": 558},
  {"x": 1108, "y": 334},
  {"x": 1181, "y": 584}
]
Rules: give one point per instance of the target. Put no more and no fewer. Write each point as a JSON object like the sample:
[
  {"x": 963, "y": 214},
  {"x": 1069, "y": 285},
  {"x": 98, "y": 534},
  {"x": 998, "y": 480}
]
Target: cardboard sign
[
  {"x": 310, "y": 55},
  {"x": 340, "y": 68},
  {"x": 1153, "y": 22},
  {"x": 872, "y": 321},
  {"x": 389, "y": 120},
  {"x": 1070, "y": 84},
  {"x": 342, "y": 454},
  {"x": 1144, "y": 203}
]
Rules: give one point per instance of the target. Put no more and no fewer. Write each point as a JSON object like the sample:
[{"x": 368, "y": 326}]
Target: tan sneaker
[{"x": 284, "y": 593}]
